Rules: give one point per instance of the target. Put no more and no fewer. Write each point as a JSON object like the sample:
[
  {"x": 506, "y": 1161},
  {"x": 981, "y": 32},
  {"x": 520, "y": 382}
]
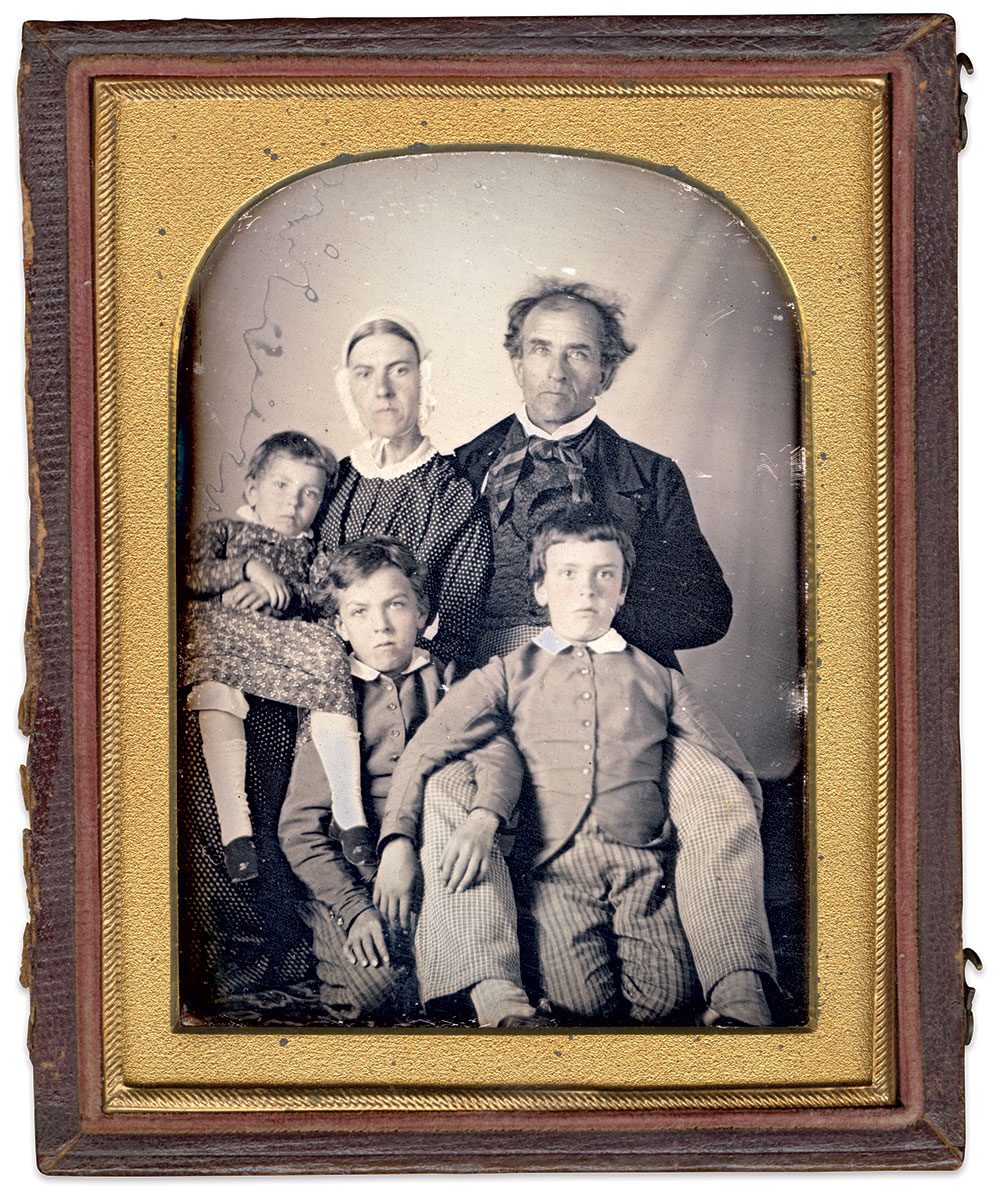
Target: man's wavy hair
[
  {"x": 578, "y": 521},
  {"x": 614, "y": 348},
  {"x": 360, "y": 559}
]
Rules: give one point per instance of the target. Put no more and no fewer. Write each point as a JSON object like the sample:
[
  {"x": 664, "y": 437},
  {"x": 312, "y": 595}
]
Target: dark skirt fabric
[{"x": 240, "y": 943}]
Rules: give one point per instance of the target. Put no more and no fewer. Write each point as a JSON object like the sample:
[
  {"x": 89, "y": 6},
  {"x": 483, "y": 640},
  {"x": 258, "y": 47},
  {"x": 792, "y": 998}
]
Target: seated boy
[
  {"x": 644, "y": 899},
  {"x": 379, "y": 589}
]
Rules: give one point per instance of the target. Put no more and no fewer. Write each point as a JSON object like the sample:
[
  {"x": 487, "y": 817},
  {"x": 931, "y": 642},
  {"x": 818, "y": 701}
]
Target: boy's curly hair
[
  {"x": 360, "y": 559},
  {"x": 297, "y": 445}
]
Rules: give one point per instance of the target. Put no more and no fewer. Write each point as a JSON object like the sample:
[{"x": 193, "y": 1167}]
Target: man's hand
[
  {"x": 466, "y": 856},
  {"x": 394, "y": 882},
  {"x": 366, "y": 941},
  {"x": 246, "y": 596},
  {"x": 272, "y": 583}
]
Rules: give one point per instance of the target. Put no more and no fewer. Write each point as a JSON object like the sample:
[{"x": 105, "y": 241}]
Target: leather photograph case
[{"x": 480, "y": 490}]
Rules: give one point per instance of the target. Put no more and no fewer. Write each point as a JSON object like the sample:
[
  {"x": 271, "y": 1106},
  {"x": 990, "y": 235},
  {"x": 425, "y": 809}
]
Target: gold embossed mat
[{"x": 175, "y": 159}]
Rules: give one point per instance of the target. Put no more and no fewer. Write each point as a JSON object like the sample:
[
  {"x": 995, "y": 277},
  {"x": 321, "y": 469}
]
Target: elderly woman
[{"x": 395, "y": 483}]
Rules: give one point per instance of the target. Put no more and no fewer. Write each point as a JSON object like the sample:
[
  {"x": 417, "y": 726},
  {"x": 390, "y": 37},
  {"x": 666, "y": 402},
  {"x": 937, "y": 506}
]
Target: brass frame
[{"x": 126, "y": 457}]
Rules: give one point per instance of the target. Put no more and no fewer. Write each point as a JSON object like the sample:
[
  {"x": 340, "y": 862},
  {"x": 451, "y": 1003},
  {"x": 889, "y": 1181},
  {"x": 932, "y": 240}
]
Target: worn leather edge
[
  {"x": 937, "y": 648},
  {"x": 680, "y": 37},
  {"x": 47, "y": 703},
  {"x": 935, "y": 1142}
]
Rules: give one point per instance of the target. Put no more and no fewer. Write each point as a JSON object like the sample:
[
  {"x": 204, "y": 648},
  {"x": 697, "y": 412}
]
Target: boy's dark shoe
[{"x": 240, "y": 857}]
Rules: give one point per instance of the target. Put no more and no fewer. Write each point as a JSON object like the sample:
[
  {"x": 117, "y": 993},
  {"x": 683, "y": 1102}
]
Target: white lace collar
[{"x": 368, "y": 459}]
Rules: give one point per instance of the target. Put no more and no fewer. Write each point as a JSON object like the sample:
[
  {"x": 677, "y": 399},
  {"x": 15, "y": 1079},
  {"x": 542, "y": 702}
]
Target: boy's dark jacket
[{"x": 306, "y": 830}]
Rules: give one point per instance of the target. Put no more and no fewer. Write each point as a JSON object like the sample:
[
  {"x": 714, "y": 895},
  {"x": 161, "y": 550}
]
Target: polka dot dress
[
  {"x": 436, "y": 514},
  {"x": 237, "y": 939}
]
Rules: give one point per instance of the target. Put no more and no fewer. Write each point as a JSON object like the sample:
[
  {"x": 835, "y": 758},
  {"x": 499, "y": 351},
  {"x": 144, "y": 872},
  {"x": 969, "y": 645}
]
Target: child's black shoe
[
  {"x": 240, "y": 856},
  {"x": 358, "y": 845}
]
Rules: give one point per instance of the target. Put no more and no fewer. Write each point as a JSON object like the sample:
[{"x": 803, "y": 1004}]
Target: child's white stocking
[
  {"x": 495, "y": 999},
  {"x": 227, "y": 767},
  {"x": 338, "y": 744}
]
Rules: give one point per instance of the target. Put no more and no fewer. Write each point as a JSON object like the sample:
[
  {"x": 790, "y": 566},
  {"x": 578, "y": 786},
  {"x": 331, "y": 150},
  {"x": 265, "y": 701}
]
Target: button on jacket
[
  {"x": 592, "y": 723},
  {"x": 388, "y": 714}
]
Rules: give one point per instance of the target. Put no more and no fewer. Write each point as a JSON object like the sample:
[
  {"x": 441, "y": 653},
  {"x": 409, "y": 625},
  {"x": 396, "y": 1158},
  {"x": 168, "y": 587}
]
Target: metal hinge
[
  {"x": 964, "y": 63},
  {"x": 971, "y": 957}
]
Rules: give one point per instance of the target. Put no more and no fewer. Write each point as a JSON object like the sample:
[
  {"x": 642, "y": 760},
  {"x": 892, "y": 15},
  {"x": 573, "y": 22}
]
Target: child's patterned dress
[{"x": 292, "y": 656}]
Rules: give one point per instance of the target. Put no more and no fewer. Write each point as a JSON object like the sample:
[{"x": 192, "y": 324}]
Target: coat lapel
[{"x": 627, "y": 493}]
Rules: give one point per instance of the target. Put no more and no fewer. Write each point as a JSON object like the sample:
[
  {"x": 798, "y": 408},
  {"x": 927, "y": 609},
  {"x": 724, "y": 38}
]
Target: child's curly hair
[
  {"x": 297, "y": 445},
  {"x": 360, "y": 559}
]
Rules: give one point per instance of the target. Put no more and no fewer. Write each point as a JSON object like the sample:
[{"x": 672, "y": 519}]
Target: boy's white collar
[
  {"x": 610, "y": 642},
  {"x": 368, "y": 674}
]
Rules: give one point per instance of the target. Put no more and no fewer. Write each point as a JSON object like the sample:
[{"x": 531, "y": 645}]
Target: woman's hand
[
  {"x": 271, "y": 582},
  {"x": 366, "y": 941},
  {"x": 466, "y": 855},
  {"x": 394, "y": 882}
]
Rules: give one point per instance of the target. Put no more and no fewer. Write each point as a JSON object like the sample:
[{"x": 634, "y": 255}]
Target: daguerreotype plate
[{"x": 321, "y": 227}]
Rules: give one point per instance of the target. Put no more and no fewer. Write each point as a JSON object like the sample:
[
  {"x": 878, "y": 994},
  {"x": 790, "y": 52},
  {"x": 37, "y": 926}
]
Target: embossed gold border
[{"x": 130, "y": 1085}]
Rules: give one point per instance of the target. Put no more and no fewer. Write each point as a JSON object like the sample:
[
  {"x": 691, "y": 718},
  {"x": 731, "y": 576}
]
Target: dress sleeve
[
  {"x": 463, "y": 576},
  {"x": 468, "y": 716},
  {"x": 211, "y": 570},
  {"x": 677, "y": 597}
]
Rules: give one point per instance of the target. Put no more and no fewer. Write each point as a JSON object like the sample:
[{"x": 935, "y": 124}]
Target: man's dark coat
[{"x": 677, "y": 597}]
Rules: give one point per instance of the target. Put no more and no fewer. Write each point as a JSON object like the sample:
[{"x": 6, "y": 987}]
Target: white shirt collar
[
  {"x": 564, "y": 430},
  {"x": 247, "y": 514},
  {"x": 610, "y": 642},
  {"x": 368, "y": 674}
]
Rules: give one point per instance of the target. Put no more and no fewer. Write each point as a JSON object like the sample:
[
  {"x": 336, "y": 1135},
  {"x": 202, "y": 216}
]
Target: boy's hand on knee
[
  {"x": 397, "y": 874},
  {"x": 466, "y": 856},
  {"x": 273, "y": 584},
  {"x": 366, "y": 941}
]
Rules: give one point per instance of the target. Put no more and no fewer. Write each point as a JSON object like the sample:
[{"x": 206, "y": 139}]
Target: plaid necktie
[{"x": 504, "y": 476}]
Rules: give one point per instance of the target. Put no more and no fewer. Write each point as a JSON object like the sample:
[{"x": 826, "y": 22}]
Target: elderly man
[{"x": 566, "y": 343}]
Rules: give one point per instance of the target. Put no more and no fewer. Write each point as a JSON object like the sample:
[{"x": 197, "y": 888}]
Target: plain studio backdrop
[{"x": 446, "y": 241}]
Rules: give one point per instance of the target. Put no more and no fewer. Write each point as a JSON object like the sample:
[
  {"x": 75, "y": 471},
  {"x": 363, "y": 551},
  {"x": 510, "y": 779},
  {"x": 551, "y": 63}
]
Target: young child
[
  {"x": 382, "y": 605},
  {"x": 641, "y": 897},
  {"x": 256, "y": 582}
]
